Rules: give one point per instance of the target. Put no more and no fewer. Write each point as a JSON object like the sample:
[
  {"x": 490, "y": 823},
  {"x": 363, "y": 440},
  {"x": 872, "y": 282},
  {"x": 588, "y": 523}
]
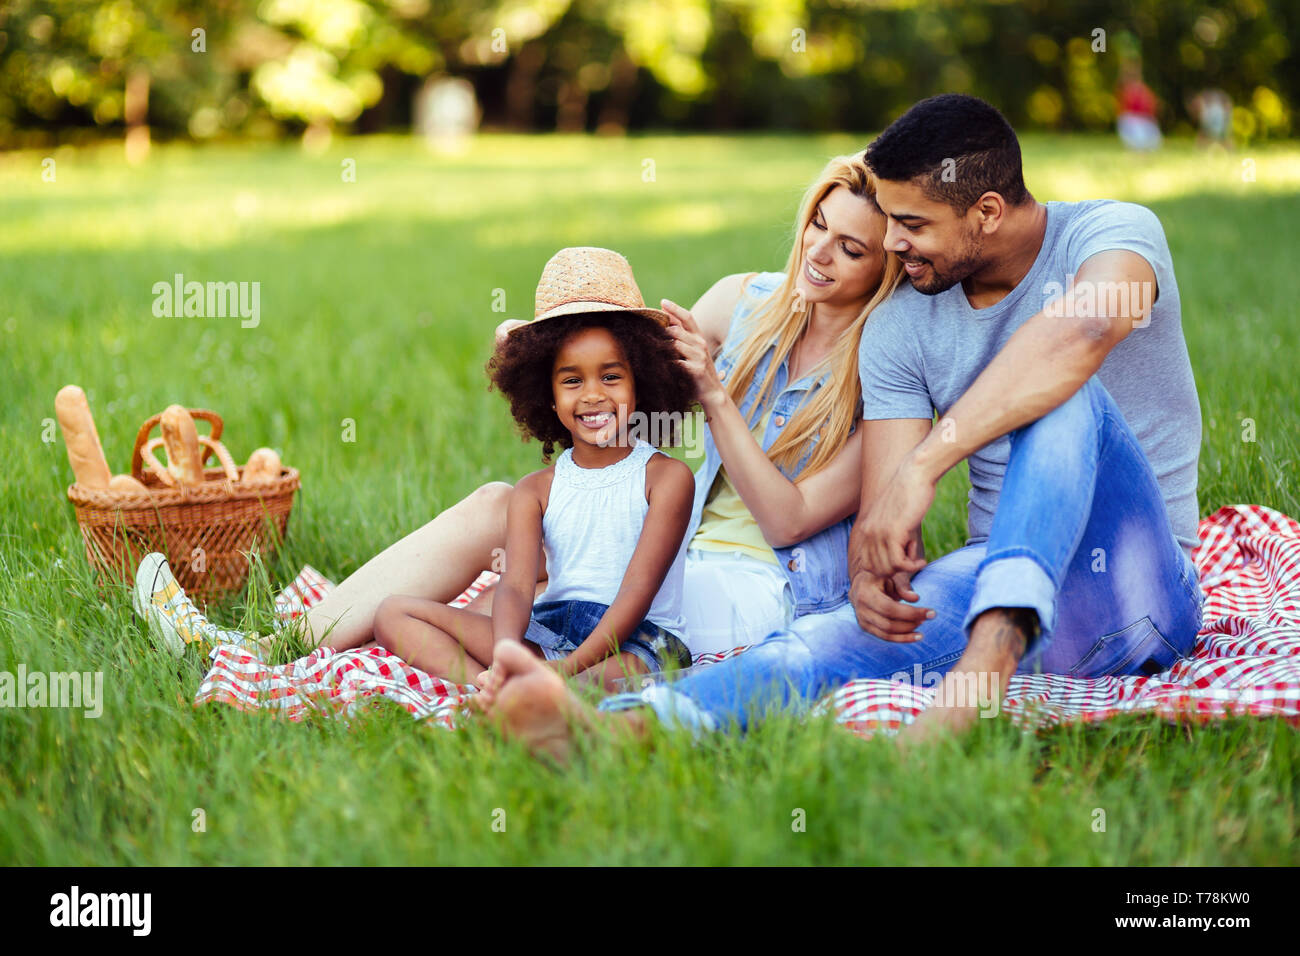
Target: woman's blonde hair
[{"x": 834, "y": 409}]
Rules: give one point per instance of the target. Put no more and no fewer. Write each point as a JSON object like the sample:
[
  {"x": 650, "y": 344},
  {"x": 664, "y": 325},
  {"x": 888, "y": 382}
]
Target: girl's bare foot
[
  {"x": 532, "y": 704},
  {"x": 489, "y": 681}
]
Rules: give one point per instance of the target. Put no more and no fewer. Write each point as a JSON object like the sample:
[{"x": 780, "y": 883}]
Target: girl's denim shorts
[{"x": 558, "y": 627}]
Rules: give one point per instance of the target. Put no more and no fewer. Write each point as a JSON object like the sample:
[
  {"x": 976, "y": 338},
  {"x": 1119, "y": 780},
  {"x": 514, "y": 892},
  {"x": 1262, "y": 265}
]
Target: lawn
[{"x": 377, "y": 306}]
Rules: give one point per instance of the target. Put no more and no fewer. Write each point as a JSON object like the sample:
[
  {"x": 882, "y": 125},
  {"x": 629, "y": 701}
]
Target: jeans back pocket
[{"x": 1138, "y": 648}]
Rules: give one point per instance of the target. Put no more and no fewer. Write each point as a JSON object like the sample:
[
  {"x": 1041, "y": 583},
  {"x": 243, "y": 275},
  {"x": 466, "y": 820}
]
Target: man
[{"x": 1048, "y": 339}]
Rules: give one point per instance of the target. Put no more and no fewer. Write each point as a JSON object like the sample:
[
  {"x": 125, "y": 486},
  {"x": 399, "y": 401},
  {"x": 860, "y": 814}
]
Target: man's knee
[{"x": 1072, "y": 420}]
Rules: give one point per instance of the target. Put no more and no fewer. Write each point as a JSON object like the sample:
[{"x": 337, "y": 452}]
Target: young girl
[{"x": 611, "y": 511}]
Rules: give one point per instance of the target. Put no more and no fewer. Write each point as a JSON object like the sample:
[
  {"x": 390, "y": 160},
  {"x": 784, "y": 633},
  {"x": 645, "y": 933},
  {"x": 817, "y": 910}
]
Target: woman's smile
[{"x": 817, "y": 278}]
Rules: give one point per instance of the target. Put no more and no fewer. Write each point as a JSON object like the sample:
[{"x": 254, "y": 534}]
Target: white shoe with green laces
[{"x": 171, "y": 615}]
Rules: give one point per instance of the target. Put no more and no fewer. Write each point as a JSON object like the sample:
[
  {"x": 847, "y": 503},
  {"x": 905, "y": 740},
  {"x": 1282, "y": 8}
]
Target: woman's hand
[
  {"x": 695, "y": 356},
  {"x": 504, "y": 328}
]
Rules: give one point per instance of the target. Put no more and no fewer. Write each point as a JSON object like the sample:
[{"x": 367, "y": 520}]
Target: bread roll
[
  {"x": 184, "y": 460},
  {"x": 125, "y": 484},
  {"x": 263, "y": 465},
  {"x": 85, "y": 454}
]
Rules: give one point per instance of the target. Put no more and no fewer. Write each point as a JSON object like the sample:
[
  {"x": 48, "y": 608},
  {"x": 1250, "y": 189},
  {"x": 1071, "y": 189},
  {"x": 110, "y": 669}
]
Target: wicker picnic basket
[{"x": 205, "y": 531}]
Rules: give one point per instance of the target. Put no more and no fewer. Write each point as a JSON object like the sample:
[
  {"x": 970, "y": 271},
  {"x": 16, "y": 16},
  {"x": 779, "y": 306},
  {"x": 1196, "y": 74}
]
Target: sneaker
[{"x": 172, "y": 617}]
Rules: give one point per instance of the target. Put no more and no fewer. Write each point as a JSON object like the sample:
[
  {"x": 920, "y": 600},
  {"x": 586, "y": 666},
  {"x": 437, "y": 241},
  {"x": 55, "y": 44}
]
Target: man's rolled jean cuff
[
  {"x": 674, "y": 710},
  {"x": 1014, "y": 581}
]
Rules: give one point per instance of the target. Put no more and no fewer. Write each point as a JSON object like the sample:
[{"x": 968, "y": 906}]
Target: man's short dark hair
[{"x": 958, "y": 146}]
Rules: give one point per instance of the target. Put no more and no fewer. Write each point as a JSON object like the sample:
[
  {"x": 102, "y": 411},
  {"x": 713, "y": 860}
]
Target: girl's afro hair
[{"x": 521, "y": 369}]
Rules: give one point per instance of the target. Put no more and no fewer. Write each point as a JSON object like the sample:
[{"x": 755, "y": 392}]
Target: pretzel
[{"x": 168, "y": 475}]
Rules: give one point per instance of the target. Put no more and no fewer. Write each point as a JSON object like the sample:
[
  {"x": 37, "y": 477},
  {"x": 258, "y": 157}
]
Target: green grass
[{"x": 377, "y": 306}]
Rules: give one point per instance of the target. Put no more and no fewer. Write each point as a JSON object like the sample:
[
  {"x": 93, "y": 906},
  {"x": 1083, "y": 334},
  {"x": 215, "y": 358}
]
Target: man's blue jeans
[{"x": 1080, "y": 535}]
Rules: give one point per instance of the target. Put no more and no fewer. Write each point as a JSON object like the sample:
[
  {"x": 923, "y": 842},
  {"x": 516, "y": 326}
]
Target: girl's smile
[{"x": 596, "y": 420}]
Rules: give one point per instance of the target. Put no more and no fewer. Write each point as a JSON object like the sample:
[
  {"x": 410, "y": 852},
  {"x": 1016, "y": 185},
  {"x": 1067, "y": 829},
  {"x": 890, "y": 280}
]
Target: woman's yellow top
[{"x": 725, "y": 523}]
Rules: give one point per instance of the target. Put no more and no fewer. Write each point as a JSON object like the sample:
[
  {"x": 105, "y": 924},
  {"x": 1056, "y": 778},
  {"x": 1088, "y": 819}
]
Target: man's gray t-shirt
[{"x": 920, "y": 353}]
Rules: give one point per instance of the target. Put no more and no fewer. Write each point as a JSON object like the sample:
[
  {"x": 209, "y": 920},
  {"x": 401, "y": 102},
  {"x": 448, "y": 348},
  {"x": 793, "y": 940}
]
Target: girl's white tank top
[{"x": 593, "y": 521}]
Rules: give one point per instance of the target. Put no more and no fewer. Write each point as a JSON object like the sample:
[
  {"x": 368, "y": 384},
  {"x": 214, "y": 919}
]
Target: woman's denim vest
[{"x": 817, "y": 567}]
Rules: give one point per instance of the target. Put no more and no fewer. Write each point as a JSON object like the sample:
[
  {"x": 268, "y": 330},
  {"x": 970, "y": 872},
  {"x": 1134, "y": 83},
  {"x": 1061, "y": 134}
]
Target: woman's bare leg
[{"x": 435, "y": 562}]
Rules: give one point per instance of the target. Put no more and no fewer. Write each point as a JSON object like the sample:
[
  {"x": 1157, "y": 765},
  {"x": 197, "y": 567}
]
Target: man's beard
[{"x": 961, "y": 268}]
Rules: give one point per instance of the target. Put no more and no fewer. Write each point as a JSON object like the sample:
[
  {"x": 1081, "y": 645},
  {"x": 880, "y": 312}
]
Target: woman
[{"x": 774, "y": 360}]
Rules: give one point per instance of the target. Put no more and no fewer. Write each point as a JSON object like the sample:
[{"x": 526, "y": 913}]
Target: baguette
[
  {"x": 263, "y": 465},
  {"x": 184, "y": 460},
  {"x": 85, "y": 453}
]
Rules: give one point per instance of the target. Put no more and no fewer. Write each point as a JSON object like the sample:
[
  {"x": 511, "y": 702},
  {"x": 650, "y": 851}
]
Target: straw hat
[{"x": 584, "y": 279}]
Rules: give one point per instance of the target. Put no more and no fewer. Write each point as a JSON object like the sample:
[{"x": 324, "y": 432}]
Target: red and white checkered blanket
[{"x": 1247, "y": 658}]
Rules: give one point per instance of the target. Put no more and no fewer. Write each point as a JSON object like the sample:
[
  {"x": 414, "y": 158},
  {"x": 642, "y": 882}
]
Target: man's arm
[
  {"x": 878, "y": 600},
  {"x": 1045, "y": 361},
  {"x": 885, "y": 445}
]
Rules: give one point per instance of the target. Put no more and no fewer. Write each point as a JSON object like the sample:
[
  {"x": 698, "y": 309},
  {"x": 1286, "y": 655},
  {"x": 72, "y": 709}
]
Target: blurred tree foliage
[{"x": 70, "y": 69}]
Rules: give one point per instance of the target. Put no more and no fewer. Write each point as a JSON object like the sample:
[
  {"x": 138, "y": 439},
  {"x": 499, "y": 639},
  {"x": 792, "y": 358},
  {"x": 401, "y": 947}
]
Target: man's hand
[
  {"x": 878, "y": 602},
  {"x": 887, "y": 541}
]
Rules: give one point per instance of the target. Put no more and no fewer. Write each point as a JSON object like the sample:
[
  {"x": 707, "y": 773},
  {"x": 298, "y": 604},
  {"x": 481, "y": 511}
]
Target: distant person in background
[
  {"x": 1137, "y": 124},
  {"x": 1212, "y": 110},
  {"x": 446, "y": 113}
]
